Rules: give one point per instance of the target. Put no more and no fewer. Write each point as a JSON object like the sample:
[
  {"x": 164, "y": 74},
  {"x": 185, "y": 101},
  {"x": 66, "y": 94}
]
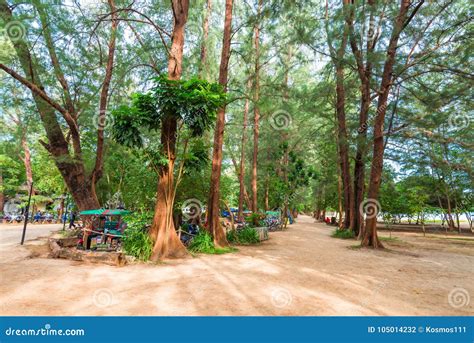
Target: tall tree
[
  {"x": 370, "y": 237},
  {"x": 337, "y": 57},
  {"x": 162, "y": 231},
  {"x": 256, "y": 108},
  {"x": 213, "y": 223},
  {"x": 364, "y": 71},
  {"x": 241, "y": 174},
  {"x": 70, "y": 163},
  {"x": 203, "y": 66}
]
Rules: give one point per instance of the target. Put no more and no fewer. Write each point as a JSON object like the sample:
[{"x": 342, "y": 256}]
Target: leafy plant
[
  {"x": 136, "y": 241},
  {"x": 343, "y": 234},
  {"x": 256, "y": 219},
  {"x": 248, "y": 235},
  {"x": 203, "y": 243}
]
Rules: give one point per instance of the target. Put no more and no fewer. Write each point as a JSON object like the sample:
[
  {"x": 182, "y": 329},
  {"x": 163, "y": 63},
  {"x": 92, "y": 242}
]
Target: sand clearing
[{"x": 301, "y": 271}]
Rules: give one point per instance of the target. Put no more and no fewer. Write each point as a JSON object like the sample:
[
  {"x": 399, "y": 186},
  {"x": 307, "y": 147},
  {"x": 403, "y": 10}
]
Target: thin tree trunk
[
  {"x": 337, "y": 58},
  {"x": 2, "y": 196},
  {"x": 214, "y": 225},
  {"x": 167, "y": 243},
  {"x": 370, "y": 235},
  {"x": 256, "y": 110},
  {"x": 241, "y": 174},
  {"x": 203, "y": 67},
  {"x": 365, "y": 76},
  {"x": 27, "y": 162},
  {"x": 104, "y": 97}
]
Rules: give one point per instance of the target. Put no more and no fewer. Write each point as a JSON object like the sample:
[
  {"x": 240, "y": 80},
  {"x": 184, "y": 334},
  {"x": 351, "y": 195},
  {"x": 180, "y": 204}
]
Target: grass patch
[
  {"x": 343, "y": 234},
  {"x": 204, "y": 244},
  {"x": 245, "y": 236}
]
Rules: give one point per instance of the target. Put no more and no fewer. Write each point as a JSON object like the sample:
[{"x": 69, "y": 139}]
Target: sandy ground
[{"x": 301, "y": 271}]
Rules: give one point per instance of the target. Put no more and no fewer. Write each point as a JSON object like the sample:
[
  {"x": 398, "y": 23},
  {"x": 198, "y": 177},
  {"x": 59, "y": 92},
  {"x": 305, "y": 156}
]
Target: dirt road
[{"x": 301, "y": 271}]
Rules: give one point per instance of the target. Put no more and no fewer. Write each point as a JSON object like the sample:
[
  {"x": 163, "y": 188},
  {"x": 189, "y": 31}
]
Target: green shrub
[
  {"x": 343, "y": 234},
  {"x": 256, "y": 219},
  {"x": 248, "y": 235},
  {"x": 136, "y": 241},
  {"x": 232, "y": 236},
  {"x": 203, "y": 243}
]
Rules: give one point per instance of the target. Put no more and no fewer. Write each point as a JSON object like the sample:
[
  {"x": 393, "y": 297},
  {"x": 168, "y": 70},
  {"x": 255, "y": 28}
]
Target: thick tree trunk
[
  {"x": 256, "y": 111},
  {"x": 242, "y": 191},
  {"x": 166, "y": 242},
  {"x": 370, "y": 235},
  {"x": 69, "y": 163}
]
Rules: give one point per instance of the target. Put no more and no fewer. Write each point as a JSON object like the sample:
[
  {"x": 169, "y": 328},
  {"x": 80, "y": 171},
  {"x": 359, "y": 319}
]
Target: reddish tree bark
[
  {"x": 256, "y": 110},
  {"x": 203, "y": 67},
  {"x": 242, "y": 190},
  {"x": 162, "y": 232},
  {"x": 214, "y": 225},
  {"x": 69, "y": 163},
  {"x": 342, "y": 137},
  {"x": 370, "y": 237},
  {"x": 365, "y": 76},
  {"x": 2, "y": 196}
]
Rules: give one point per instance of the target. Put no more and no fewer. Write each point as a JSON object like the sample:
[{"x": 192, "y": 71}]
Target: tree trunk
[
  {"x": 2, "y": 196},
  {"x": 214, "y": 225},
  {"x": 365, "y": 76},
  {"x": 242, "y": 158},
  {"x": 342, "y": 137},
  {"x": 203, "y": 68},
  {"x": 166, "y": 241},
  {"x": 370, "y": 235},
  {"x": 26, "y": 158},
  {"x": 69, "y": 163},
  {"x": 256, "y": 110}
]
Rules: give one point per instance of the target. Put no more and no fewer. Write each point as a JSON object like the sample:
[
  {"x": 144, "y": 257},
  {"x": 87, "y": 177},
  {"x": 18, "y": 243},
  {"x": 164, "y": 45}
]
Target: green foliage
[
  {"x": 136, "y": 241},
  {"x": 256, "y": 219},
  {"x": 203, "y": 243},
  {"x": 343, "y": 234},
  {"x": 194, "y": 102},
  {"x": 247, "y": 235}
]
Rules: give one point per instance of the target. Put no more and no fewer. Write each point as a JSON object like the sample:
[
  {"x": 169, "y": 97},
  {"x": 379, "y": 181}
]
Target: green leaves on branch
[{"x": 193, "y": 102}]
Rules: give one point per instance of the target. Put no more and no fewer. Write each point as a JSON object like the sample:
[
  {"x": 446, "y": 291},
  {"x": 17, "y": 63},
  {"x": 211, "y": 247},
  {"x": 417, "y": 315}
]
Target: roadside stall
[{"x": 103, "y": 229}]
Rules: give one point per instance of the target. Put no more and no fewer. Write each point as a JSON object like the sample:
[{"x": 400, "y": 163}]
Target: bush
[
  {"x": 343, "y": 234},
  {"x": 203, "y": 243},
  {"x": 247, "y": 235},
  {"x": 136, "y": 241},
  {"x": 256, "y": 219}
]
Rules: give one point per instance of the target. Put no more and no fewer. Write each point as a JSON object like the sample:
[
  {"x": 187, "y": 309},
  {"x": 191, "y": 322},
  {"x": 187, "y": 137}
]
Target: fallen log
[{"x": 71, "y": 253}]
